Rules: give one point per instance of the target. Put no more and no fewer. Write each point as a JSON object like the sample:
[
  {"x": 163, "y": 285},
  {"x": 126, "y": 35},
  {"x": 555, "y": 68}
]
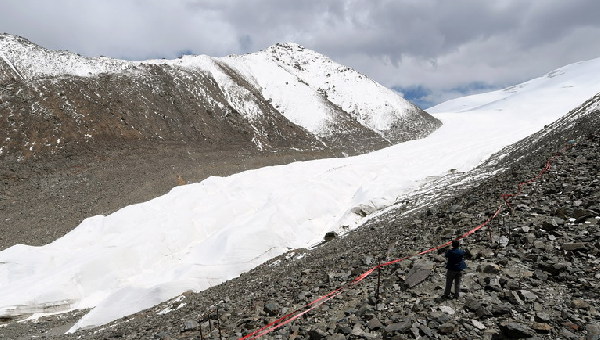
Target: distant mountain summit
[{"x": 283, "y": 97}]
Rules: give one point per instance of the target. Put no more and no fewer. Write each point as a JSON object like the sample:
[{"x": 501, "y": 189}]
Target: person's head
[{"x": 455, "y": 244}]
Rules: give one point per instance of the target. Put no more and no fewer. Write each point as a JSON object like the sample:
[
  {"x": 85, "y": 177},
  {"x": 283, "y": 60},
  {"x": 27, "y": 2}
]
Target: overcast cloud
[{"x": 430, "y": 50}]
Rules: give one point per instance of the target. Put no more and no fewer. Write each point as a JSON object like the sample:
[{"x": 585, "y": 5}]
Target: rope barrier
[{"x": 284, "y": 320}]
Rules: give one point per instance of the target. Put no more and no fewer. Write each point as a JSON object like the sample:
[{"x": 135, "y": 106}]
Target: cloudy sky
[{"x": 430, "y": 50}]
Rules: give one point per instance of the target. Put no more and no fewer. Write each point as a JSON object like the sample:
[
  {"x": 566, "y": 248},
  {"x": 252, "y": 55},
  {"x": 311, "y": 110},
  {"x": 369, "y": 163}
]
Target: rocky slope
[
  {"x": 86, "y": 136},
  {"x": 533, "y": 274},
  {"x": 51, "y": 99}
]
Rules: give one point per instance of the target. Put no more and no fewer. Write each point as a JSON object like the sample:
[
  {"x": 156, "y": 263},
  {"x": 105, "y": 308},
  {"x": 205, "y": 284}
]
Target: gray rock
[
  {"x": 416, "y": 332},
  {"x": 540, "y": 275},
  {"x": 399, "y": 327},
  {"x": 343, "y": 329},
  {"x": 190, "y": 325},
  {"x": 272, "y": 308},
  {"x": 568, "y": 334},
  {"x": 472, "y": 303},
  {"x": 357, "y": 330},
  {"x": 553, "y": 224},
  {"x": 542, "y": 317},
  {"x": 527, "y": 295},
  {"x": 580, "y": 304},
  {"x": 317, "y": 334},
  {"x": 541, "y": 327},
  {"x": 552, "y": 268},
  {"x": 447, "y": 309},
  {"x": 492, "y": 284},
  {"x": 418, "y": 273},
  {"x": 446, "y": 328},
  {"x": 484, "y": 312},
  {"x": 478, "y": 324},
  {"x": 593, "y": 331},
  {"x": 330, "y": 236},
  {"x": 490, "y": 268},
  {"x": 515, "y": 330},
  {"x": 163, "y": 336},
  {"x": 368, "y": 260},
  {"x": 374, "y": 324},
  {"x": 426, "y": 330},
  {"x": 514, "y": 298},
  {"x": 574, "y": 246},
  {"x": 336, "y": 337}
]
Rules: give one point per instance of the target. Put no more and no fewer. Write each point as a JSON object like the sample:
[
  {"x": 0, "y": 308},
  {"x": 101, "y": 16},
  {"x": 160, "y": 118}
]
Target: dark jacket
[{"x": 456, "y": 259}]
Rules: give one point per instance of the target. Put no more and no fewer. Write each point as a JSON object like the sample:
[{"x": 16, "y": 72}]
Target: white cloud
[{"x": 440, "y": 45}]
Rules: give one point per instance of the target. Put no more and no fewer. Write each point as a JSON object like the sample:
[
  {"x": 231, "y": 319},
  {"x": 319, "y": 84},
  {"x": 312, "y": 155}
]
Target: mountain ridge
[{"x": 142, "y": 99}]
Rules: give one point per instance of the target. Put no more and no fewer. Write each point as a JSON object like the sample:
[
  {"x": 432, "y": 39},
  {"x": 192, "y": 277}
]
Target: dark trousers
[{"x": 453, "y": 275}]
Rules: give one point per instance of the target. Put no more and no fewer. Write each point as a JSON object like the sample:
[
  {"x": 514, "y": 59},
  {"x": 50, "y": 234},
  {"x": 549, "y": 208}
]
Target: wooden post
[
  {"x": 489, "y": 228},
  {"x": 219, "y": 324},
  {"x": 378, "y": 283}
]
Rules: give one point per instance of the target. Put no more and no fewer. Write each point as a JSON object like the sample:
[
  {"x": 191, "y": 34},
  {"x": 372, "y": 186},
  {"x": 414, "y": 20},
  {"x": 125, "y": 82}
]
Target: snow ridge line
[{"x": 324, "y": 298}]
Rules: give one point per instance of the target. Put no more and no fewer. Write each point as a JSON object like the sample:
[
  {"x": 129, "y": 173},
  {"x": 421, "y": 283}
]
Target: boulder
[
  {"x": 317, "y": 334},
  {"x": 498, "y": 310},
  {"x": 492, "y": 284},
  {"x": 447, "y": 309},
  {"x": 580, "y": 304},
  {"x": 542, "y": 328},
  {"x": 272, "y": 308},
  {"x": 542, "y": 317},
  {"x": 489, "y": 268},
  {"x": 513, "y": 330},
  {"x": 478, "y": 324},
  {"x": 374, "y": 324},
  {"x": 566, "y": 334},
  {"x": 399, "y": 327},
  {"x": 418, "y": 273},
  {"x": 593, "y": 331},
  {"x": 552, "y": 224},
  {"x": 330, "y": 236},
  {"x": 190, "y": 325},
  {"x": 527, "y": 295},
  {"x": 574, "y": 246},
  {"x": 446, "y": 328}
]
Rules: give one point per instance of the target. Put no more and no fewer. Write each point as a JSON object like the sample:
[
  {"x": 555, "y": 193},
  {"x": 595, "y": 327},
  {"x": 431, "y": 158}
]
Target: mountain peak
[{"x": 287, "y": 46}]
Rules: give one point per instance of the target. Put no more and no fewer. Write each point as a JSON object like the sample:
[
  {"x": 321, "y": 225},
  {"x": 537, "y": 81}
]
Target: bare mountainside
[
  {"x": 283, "y": 97},
  {"x": 84, "y": 136}
]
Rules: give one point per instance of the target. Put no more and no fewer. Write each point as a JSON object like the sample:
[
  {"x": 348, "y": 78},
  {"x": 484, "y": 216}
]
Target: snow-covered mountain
[
  {"x": 202, "y": 234},
  {"x": 578, "y": 81},
  {"x": 283, "y": 97}
]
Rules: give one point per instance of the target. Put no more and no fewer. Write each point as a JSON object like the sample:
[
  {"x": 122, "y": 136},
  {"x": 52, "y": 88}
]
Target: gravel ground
[{"x": 43, "y": 199}]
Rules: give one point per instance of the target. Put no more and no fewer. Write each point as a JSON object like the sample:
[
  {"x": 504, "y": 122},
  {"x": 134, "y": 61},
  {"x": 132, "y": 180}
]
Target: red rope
[{"x": 284, "y": 320}]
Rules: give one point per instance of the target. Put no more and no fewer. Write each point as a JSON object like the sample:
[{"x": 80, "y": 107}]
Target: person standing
[{"x": 455, "y": 265}]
